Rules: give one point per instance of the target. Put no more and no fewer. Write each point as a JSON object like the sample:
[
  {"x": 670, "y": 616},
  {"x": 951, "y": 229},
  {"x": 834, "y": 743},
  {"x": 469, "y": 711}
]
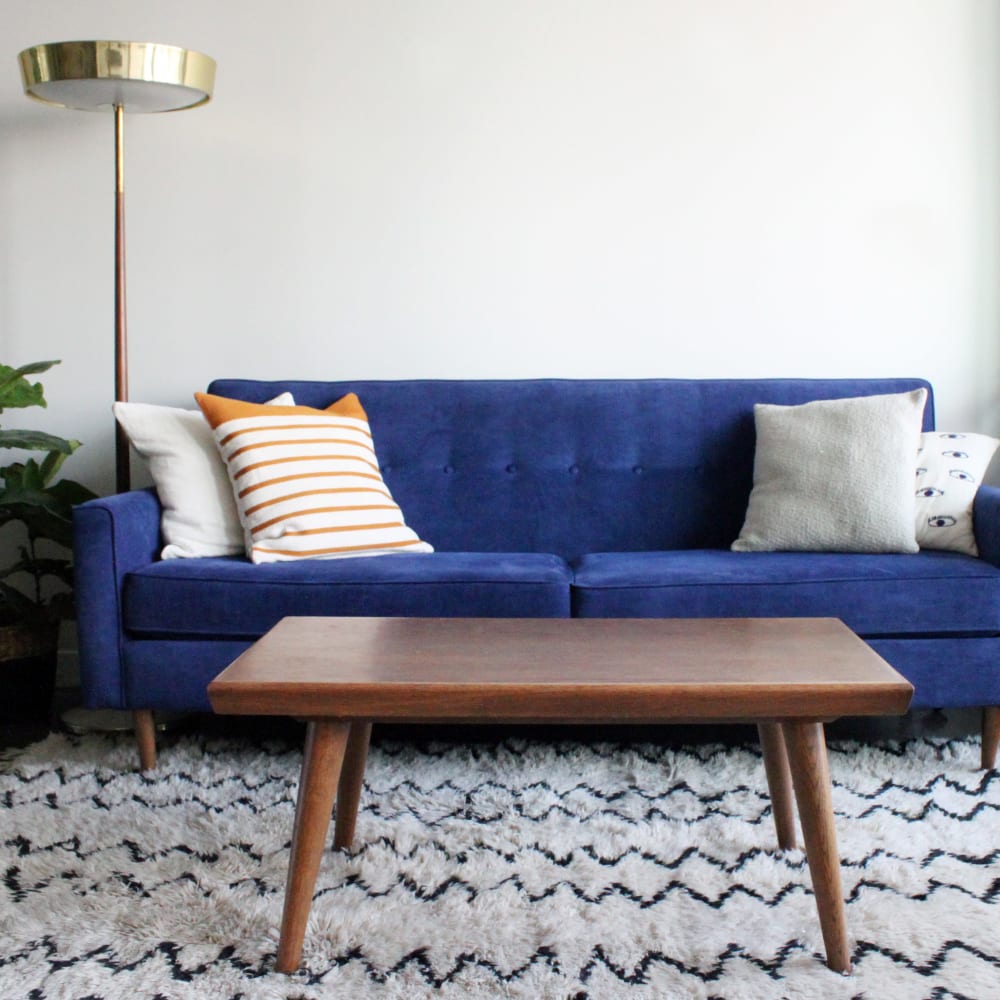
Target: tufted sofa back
[{"x": 569, "y": 466}]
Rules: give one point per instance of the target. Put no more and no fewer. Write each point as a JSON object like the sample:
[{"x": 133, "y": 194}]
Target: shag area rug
[{"x": 519, "y": 870}]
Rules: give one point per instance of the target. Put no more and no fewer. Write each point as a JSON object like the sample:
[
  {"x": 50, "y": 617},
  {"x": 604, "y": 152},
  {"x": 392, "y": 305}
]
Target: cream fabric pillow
[
  {"x": 950, "y": 468},
  {"x": 835, "y": 475},
  {"x": 307, "y": 482},
  {"x": 199, "y": 513}
]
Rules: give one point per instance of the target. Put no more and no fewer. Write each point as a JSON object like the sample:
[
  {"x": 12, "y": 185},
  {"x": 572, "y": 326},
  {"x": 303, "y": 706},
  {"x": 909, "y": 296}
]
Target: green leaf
[
  {"x": 31, "y": 495},
  {"x": 51, "y": 465},
  {"x": 37, "y": 441},
  {"x": 20, "y": 480},
  {"x": 70, "y": 493},
  {"x": 46, "y": 513},
  {"x": 59, "y": 568},
  {"x": 16, "y": 605},
  {"x": 21, "y": 566},
  {"x": 42, "y": 522},
  {"x": 17, "y": 391},
  {"x": 33, "y": 368}
]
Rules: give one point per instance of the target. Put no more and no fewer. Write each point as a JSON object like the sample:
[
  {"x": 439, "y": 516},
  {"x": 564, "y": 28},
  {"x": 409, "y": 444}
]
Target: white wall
[{"x": 463, "y": 188}]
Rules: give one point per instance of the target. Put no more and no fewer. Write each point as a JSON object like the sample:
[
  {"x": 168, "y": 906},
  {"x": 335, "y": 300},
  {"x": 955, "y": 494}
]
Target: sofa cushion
[
  {"x": 235, "y": 598},
  {"x": 939, "y": 593},
  {"x": 949, "y": 671}
]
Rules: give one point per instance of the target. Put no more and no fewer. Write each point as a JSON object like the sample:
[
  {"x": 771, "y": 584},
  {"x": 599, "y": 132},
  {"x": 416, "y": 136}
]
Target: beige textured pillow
[{"x": 835, "y": 475}]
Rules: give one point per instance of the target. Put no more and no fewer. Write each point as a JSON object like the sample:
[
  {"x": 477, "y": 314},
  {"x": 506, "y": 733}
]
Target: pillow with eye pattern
[{"x": 950, "y": 467}]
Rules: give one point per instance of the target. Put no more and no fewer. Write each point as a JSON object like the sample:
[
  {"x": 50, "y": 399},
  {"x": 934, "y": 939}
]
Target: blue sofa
[{"x": 542, "y": 498}]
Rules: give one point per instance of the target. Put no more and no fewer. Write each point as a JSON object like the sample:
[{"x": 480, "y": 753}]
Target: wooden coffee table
[{"x": 787, "y": 675}]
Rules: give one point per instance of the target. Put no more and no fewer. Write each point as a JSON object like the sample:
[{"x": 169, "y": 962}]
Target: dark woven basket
[{"x": 27, "y": 671}]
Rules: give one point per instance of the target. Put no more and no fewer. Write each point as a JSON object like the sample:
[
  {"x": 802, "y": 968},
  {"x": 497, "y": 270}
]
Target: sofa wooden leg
[
  {"x": 991, "y": 736},
  {"x": 145, "y": 737}
]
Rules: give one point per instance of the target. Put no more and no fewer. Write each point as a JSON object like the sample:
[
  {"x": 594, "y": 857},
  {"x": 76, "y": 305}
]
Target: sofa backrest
[{"x": 569, "y": 466}]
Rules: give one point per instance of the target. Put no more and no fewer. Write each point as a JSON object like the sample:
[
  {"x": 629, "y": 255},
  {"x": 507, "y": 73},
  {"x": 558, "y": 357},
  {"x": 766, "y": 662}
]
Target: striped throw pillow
[{"x": 307, "y": 482}]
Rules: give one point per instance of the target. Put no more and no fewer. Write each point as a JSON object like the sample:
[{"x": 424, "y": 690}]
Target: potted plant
[{"x": 36, "y": 582}]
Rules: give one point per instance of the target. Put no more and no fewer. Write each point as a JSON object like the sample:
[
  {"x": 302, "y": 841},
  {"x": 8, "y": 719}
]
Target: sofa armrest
[
  {"x": 986, "y": 523},
  {"x": 111, "y": 537}
]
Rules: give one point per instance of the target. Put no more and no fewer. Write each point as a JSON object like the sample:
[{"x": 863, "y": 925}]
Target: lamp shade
[{"x": 137, "y": 76}]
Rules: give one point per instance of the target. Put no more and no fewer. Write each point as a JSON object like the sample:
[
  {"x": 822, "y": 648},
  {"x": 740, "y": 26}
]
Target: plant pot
[{"x": 27, "y": 671}]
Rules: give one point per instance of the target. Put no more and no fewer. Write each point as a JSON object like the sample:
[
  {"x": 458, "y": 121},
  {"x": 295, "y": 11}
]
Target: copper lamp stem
[{"x": 122, "y": 471}]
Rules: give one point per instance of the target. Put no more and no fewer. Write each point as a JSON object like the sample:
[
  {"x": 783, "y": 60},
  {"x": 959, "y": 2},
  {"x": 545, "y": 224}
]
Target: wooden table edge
[{"x": 603, "y": 703}]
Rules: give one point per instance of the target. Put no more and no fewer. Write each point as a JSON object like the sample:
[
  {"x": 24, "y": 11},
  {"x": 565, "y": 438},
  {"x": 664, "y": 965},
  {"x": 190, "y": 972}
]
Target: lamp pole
[
  {"x": 144, "y": 77},
  {"x": 123, "y": 477}
]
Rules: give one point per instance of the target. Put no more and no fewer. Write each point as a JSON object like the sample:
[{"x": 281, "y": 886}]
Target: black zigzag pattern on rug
[{"x": 519, "y": 869}]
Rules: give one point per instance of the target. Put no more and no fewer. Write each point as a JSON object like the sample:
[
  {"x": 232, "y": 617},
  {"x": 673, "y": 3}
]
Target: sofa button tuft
[
  {"x": 512, "y": 467},
  {"x": 574, "y": 470},
  {"x": 447, "y": 470},
  {"x": 637, "y": 469}
]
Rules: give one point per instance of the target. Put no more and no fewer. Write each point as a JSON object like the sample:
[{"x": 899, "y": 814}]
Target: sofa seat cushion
[
  {"x": 937, "y": 593},
  {"x": 231, "y": 597}
]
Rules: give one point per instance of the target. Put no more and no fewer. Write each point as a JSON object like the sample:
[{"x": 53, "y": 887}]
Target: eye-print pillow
[{"x": 950, "y": 467}]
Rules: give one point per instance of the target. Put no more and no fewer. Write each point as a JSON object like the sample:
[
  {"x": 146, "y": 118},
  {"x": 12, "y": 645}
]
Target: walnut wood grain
[
  {"x": 326, "y": 743},
  {"x": 551, "y": 670},
  {"x": 779, "y": 782},
  {"x": 811, "y": 778},
  {"x": 991, "y": 736},
  {"x": 144, "y": 727},
  {"x": 351, "y": 781},
  {"x": 123, "y": 475}
]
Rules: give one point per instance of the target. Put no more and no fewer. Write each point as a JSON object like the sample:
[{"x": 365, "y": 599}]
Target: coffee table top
[{"x": 552, "y": 670}]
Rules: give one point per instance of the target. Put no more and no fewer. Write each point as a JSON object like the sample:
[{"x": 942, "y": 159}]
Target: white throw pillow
[
  {"x": 199, "y": 512},
  {"x": 950, "y": 468},
  {"x": 835, "y": 475}
]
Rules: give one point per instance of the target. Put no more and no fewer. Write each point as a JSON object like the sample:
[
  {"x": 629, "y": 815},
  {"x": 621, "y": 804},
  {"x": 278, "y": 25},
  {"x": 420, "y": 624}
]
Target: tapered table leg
[
  {"x": 779, "y": 782},
  {"x": 326, "y": 743},
  {"x": 991, "y": 736},
  {"x": 352, "y": 777},
  {"x": 807, "y": 760}
]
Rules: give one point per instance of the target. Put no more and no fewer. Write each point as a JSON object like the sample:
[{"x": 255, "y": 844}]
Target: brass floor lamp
[{"x": 119, "y": 77}]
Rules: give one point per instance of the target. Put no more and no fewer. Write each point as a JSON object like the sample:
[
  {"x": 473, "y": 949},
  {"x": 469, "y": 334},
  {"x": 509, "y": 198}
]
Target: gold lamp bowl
[{"x": 137, "y": 76}]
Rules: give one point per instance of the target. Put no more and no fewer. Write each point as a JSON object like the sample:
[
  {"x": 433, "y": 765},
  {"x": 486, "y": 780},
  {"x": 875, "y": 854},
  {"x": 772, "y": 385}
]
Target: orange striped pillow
[{"x": 307, "y": 482}]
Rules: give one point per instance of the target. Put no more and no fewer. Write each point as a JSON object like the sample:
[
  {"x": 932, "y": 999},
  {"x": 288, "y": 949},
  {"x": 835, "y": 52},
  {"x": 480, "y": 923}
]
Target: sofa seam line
[{"x": 763, "y": 583}]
